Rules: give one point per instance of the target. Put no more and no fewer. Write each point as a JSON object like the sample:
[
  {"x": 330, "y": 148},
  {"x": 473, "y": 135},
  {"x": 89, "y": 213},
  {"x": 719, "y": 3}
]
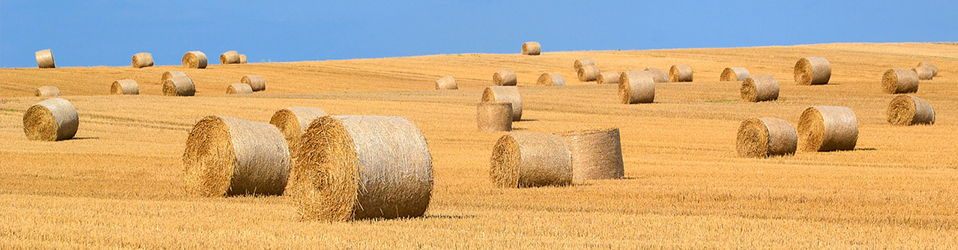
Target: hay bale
[
  {"x": 924, "y": 73},
  {"x": 229, "y": 57},
  {"x": 125, "y": 87},
  {"x": 636, "y": 87},
  {"x": 239, "y": 88},
  {"x": 47, "y": 91},
  {"x": 446, "y": 82},
  {"x": 897, "y": 80},
  {"x": 910, "y": 110},
  {"x": 530, "y": 159},
  {"x": 179, "y": 86},
  {"x": 828, "y": 128},
  {"x": 508, "y": 94},
  {"x": 505, "y": 77},
  {"x": 550, "y": 79},
  {"x": 588, "y": 73},
  {"x": 812, "y": 71},
  {"x": 170, "y": 74},
  {"x": 45, "y": 59},
  {"x": 242, "y": 59},
  {"x": 596, "y": 154},
  {"x": 226, "y": 156},
  {"x": 582, "y": 62},
  {"x": 608, "y": 77},
  {"x": 531, "y": 48},
  {"x": 760, "y": 88},
  {"x": 258, "y": 83},
  {"x": 658, "y": 75},
  {"x": 363, "y": 167},
  {"x": 734, "y": 74},
  {"x": 680, "y": 73},
  {"x": 195, "y": 59},
  {"x": 764, "y": 137},
  {"x": 293, "y": 122},
  {"x": 142, "y": 60},
  {"x": 934, "y": 69},
  {"x": 494, "y": 116},
  {"x": 51, "y": 120}
]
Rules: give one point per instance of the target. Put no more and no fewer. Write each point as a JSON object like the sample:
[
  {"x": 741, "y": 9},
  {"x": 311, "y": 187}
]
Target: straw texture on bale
[
  {"x": 636, "y": 87},
  {"x": 45, "y": 59},
  {"x": 125, "y": 87},
  {"x": 239, "y": 88},
  {"x": 588, "y": 73},
  {"x": 531, "y": 48},
  {"x": 934, "y": 69},
  {"x": 812, "y": 71},
  {"x": 142, "y": 60},
  {"x": 760, "y": 88},
  {"x": 179, "y": 86},
  {"x": 229, "y": 57},
  {"x": 363, "y": 167},
  {"x": 446, "y": 82},
  {"x": 680, "y": 73},
  {"x": 608, "y": 77},
  {"x": 550, "y": 79},
  {"x": 242, "y": 58},
  {"x": 530, "y": 159},
  {"x": 596, "y": 154},
  {"x": 897, "y": 80},
  {"x": 828, "y": 128},
  {"x": 582, "y": 62},
  {"x": 258, "y": 83},
  {"x": 47, "y": 91},
  {"x": 924, "y": 73},
  {"x": 508, "y": 94},
  {"x": 195, "y": 59},
  {"x": 293, "y": 122},
  {"x": 505, "y": 77},
  {"x": 658, "y": 75},
  {"x": 494, "y": 116},
  {"x": 734, "y": 74},
  {"x": 170, "y": 74},
  {"x": 910, "y": 110},
  {"x": 226, "y": 156},
  {"x": 766, "y": 136},
  {"x": 51, "y": 120}
]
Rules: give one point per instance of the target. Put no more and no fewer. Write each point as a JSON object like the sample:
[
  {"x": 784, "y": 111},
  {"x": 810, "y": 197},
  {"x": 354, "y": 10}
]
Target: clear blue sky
[{"x": 90, "y": 33}]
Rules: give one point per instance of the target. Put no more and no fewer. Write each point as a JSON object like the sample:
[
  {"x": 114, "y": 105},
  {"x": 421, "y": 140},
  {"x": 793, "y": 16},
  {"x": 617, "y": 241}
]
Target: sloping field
[{"x": 119, "y": 184}]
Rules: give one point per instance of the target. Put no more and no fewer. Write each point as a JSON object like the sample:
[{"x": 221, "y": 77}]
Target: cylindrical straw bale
[
  {"x": 179, "y": 86},
  {"x": 531, "y": 48},
  {"x": 760, "y": 88},
  {"x": 505, "y": 77},
  {"x": 934, "y": 69},
  {"x": 766, "y": 136},
  {"x": 141, "y": 60},
  {"x": 588, "y": 73},
  {"x": 239, "y": 88},
  {"x": 582, "y": 62},
  {"x": 446, "y": 82},
  {"x": 494, "y": 116},
  {"x": 170, "y": 74},
  {"x": 242, "y": 58},
  {"x": 257, "y": 82},
  {"x": 596, "y": 153},
  {"x": 897, "y": 80},
  {"x": 828, "y": 128},
  {"x": 45, "y": 59},
  {"x": 51, "y": 120},
  {"x": 812, "y": 71},
  {"x": 910, "y": 110},
  {"x": 636, "y": 87},
  {"x": 195, "y": 59},
  {"x": 551, "y": 79},
  {"x": 924, "y": 73},
  {"x": 508, "y": 94},
  {"x": 680, "y": 73},
  {"x": 293, "y": 122},
  {"x": 530, "y": 159},
  {"x": 47, "y": 91},
  {"x": 608, "y": 77},
  {"x": 229, "y": 57},
  {"x": 125, "y": 87},
  {"x": 658, "y": 75},
  {"x": 734, "y": 74}
]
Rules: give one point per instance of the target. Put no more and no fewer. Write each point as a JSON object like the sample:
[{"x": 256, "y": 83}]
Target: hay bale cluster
[
  {"x": 530, "y": 159},
  {"x": 760, "y": 88},
  {"x": 766, "y": 136},
  {"x": 550, "y": 79},
  {"x": 124, "y": 87},
  {"x": 508, "y": 94},
  {"x": 494, "y": 116},
  {"x": 51, "y": 120},
  {"x": 812, "y": 71},
  {"x": 596, "y": 153},
  {"x": 909, "y": 110}
]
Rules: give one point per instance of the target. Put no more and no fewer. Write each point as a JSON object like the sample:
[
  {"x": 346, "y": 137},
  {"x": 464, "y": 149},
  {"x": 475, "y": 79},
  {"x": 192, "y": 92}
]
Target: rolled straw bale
[
  {"x": 179, "y": 86},
  {"x": 680, "y": 73},
  {"x": 588, "y": 73},
  {"x": 51, "y": 120},
  {"x": 171, "y": 74},
  {"x": 766, "y": 136},
  {"x": 551, "y": 79},
  {"x": 734, "y": 74},
  {"x": 141, "y": 60},
  {"x": 125, "y": 87},
  {"x": 531, "y": 48},
  {"x": 934, "y": 69},
  {"x": 582, "y": 62},
  {"x": 257, "y": 82},
  {"x": 530, "y": 159},
  {"x": 812, "y": 71},
  {"x": 494, "y": 116},
  {"x": 242, "y": 58},
  {"x": 910, "y": 110},
  {"x": 195, "y": 59},
  {"x": 608, "y": 77},
  {"x": 229, "y": 57},
  {"x": 924, "y": 73},
  {"x": 45, "y": 59},
  {"x": 239, "y": 88},
  {"x": 636, "y": 87},
  {"x": 658, "y": 75},
  {"x": 446, "y": 82},
  {"x": 363, "y": 167},
  {"x": 760, "y": 88},
  {"x": 293, "y": 122},
  {"x": 226, "y": 156},
  {"x": 505, "y": 77},
  {"x": 508, "y": 94},
  {"x": 47, "y": 91},
  {"x": 828, "y": 128},
  {"x": 596, "y": 154},
  {"x": 897, "y": 80}
]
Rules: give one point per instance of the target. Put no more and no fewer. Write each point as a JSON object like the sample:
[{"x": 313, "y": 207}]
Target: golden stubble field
[{"x": 119, "y": 184}]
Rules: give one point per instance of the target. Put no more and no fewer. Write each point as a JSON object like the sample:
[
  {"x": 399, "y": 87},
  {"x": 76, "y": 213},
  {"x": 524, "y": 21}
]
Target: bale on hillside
[
  {"x": 828, "y": 128},
  {"x": 588, "y": 73},
  {"x": 766, "y": 136},
  {"x": 229, "y": 57},
  {"x": 531, "y": 48},
  {"x": 934, "y": 69},
  {"x": 734, "y": 74},
  {"x": 258, "y": 83},
  {"x": 608, "y": 77},
  {"x": 239, "y": 88},
  {"x": 897, "y": 80},
  {"x": 680, "y": 73},
  {"x": 51, "y": 120},
  {"x": 363, "y": 167},
  {"x": 658, "y": 75},
  {"x": 596, "y": 154},
  {"x": 141, "y": 60},
  {"x": 505, "y": 77},
  {"x": 179, "y": 86},
  {"x": 45, "y": 59},
  {"x": 530, "y": 159},
  {"x": 293, "y": 122},
  {"x": 924, "y": 73},
  {"x": 636, "y": 87},
  {"x": 170, "y": 74},
  {"x": 550, "y": 79},
  {"x": 910, "y": 110},
  {"x": 125, "y": 87},
  {"x": 446, "y": 82},
  {"x": 47, "y": 91},
  {"x": 582, "y": 62},
  {"x": 242, "y": 58},
  {"x": 494, "y": 116},
  {"x": 508, "y": 94},
  {"x": 226, "y": 156},
  {"x": 812, "y": 71},
  {"x": 195, "y": 59},
  {"x": 760, "y": 88}
]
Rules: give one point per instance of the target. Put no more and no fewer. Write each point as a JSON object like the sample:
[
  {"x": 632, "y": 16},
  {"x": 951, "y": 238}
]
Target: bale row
[
  {"x": 734, "y": 74},
  {"x": 124, "y": 87},
  {"x": 550, "y": 79},
  {"x": 51, "y": 120},
  {"x": 508, "y": 94},
  {"x": 531, "y": 48},
  {"x": 494, "y": 116},
  {"x": 446, "y": 82}
]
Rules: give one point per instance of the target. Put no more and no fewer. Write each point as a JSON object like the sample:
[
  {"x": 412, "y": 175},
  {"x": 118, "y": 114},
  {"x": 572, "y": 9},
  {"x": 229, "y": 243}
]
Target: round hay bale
[
  {"x": 258, "y": 83},
  {"x": 494, "y": 116},
  {"x": 125, "y": 87},
  {"x": 658, "y": 75},
  {"x": 924, "y": 73},
  {"x": 812, "y": 71},
  {"x": 764, "y": 137},
  {"x": 508, "y": 94},
  {"x": 242, "y": 58},
  {"x": 588, "y": 73},
  {"x": 530, "y": 159},
  {"x": 179, "y": 86},
  {"x": 636, "y": 87},
  {"x": 680, "y": 73},
  {"x": 45, "y": 59},
  {"x": 47, "y": 91},
  {"x": 608, "y": 77},
  {"x": 195, "y": 59},
  {"x": 229, "y": 57},
  {"x": 363, "y": 167},
  {"x": 531, "y": 48},
  {"x": 226, "y": 156},
  {"x": 910, "y": 110},
  {"x": 760, "y": 88},
  {"x": 51, "y": 120},
  {"x": 734, "y": 74},
  {"x": 446, "y": 82},
  {"x": 550, "y": 79},
  {"x": 596, "y": 154},
  {"x": 505, "y": 77},
  {"x": 239, "y": 88},
  {"x": 170, "y": 74},
  {"x": 897, "y": 80},
  {"x": 142, "y": 60},
  {"x": 828, "y": 128},
  {"x": 293, "y": 122},
  {"x": 582, "y": 62},
  {"x": 934, "y": 69}
]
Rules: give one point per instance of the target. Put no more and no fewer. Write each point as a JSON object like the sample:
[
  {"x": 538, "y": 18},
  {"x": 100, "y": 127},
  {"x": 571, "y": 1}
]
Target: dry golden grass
[{"x": 119, "y": 184}]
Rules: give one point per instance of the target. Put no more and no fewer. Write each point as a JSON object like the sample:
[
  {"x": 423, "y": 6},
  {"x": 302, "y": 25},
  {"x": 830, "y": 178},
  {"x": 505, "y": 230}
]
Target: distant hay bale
[
  {"x": 508, "y": 94},
  {"x": 258, "y": 83},
  {"x": 446, "y": 82},
  {"x": 170, "y": 74},
  {"x": 195, "y": 59},
  {"x": 934, "y": 69},
  {"x": 531, "y": 48},
  {"x": 760, "y": 88},
  {"x": 680, "y": 73},
  {"x": 596, "y": 153},
  {"x": 608, "y": 77},
  {"x": 582, "y": 62},
  {"x": 229, "y": 57},
  {"x": 363, "y": 167},
  {"x": 45, "y": 59},
  {"x": 734, "y": 74},
  {"x": 910, "y": 110},
  {"x": 505, "y": 77},
  {"x": 242, "y": 58},
  {"x": 494, "y": 116},
  {"x": 658, "y": 75},
  {"x": 293, "y": 122},
  {"x": 588, "y": 73},
  {"x": 51, "y": 120},
  {"x": 812, "y": 71},
  {"x": 897, "y": 80},
  {"x": 766, "y": 136},
  {"x": 924, "y": 73},
  {"x": 141, "y": 60},
  {"x": 530, "y": 159},
  {"x": 239, "y": 88},
  {"x": 828, "y": 128},
  {"x": 47, "y": 91},
  {"x": 636, "y": 87},
  {"x": 226, "y": 156},
  {"x": 550, "y": 79},
  {"x": 179, "y": 86},
  {"x": 125, "y": 87}
]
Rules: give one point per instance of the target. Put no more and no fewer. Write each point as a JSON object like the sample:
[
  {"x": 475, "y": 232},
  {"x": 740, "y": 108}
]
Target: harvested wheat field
[{"x": 119, "y": 183}]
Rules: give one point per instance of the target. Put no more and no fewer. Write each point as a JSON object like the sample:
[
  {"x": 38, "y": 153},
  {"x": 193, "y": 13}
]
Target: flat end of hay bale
[{"x": 208, "y": 158}]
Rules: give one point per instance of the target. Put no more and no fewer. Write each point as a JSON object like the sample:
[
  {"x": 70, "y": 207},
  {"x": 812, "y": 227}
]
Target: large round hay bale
[
  {"x": 170, "y": 74},
  {"x": 550, "y": 79},
  {"x": 226, "y": 156},
  {"x": 588, "y": 73},
  {"x": 924, "y": 73},
  {"x": 636, "y": 87},
  {"x": 505, "y": 77},
  {"x": 734, "y": 74},
  {"x": 658, "y": 75},
  {"x": 195, "y": 59},
  {"x": 897, "y": 80},
  {"x": 582, "y": 62},
  {"x": 910, "y": 110},
  {"x": 760, "y": 88},
  {"x": 363, "y": 167},
  {"x": 508, "y": 94},
  {"x": 596, "y": 154},
  {"x": 530, "y": 159},
  {"x": 229, "y": 57},
  {"x": 125, "y": 87},
  {"x": 47, "y": 91},
  {"x": 258, "y": 83},
  {"x": 242, "y": 58},
  {"x": 828, "y": 128},
  {"x": 680, "y": 73},
  {"x": 812, "y": 71},
  {"x": 51, "y": 120},
  {"x": 766, "y": 136},
  {"x": 608, "y": 77},
  {"x": 142, "y": 60},
  {"x": 531, "y": 48},
  {"x": 45, "y": 59},
  {"x": 293, "y": 122},
  {"x": 494, "y": 116},
  {"x": 179, "y": 86},
  {"x": 239, "y": 88},
  {"x": 934, "y": 69},
  {"x": 446, "y": 82}
]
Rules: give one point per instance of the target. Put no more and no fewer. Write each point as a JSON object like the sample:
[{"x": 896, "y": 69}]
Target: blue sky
[{"x": 91, "y": 33}]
